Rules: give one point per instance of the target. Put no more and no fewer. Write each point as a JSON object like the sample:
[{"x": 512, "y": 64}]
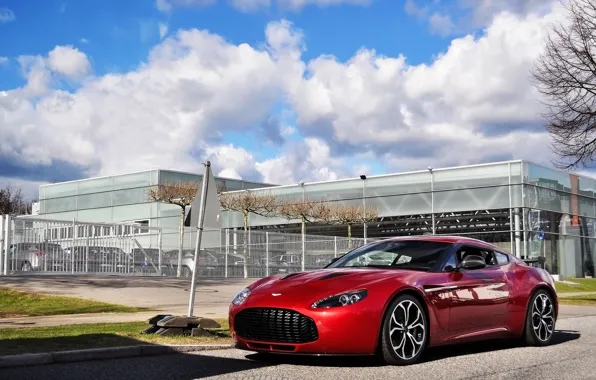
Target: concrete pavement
[{"x": 570, "y": 357}]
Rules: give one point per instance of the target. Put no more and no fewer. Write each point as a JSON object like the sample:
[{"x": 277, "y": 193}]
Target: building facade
[
  {"x": 533, "y": 211},
  {"x": 124, "y": 199}
]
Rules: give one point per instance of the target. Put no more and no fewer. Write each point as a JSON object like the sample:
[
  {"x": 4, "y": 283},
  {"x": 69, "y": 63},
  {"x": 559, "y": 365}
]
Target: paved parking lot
[
  {"x": 572, "y": 356},
  {"x": 160, "y": 293}
]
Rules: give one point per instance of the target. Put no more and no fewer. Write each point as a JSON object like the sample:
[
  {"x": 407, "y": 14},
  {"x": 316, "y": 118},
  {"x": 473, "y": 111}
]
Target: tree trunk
[
  {"x": 245, "y": 249},
  {"x": 180, "y": 243},
  {"x": 349, "y": 236}
]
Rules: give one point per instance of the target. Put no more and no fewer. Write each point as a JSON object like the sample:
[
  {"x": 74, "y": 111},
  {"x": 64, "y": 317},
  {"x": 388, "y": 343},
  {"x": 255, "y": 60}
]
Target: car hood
[{"x": 303, "y": 288}]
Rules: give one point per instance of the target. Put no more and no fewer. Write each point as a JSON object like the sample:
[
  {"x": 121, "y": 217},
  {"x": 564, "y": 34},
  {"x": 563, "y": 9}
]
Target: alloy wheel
[
  {"x": 407, "y": 330},
  {"x": 543, "y": 320}
]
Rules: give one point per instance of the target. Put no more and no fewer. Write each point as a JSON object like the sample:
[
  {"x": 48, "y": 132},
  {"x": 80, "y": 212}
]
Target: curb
[{"x": 102, "y": 353}]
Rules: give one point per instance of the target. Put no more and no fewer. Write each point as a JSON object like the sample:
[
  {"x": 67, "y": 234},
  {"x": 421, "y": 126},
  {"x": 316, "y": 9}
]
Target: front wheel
[
  {"x": 540, "y": 319},
  {"x": 405, "y": 331}
]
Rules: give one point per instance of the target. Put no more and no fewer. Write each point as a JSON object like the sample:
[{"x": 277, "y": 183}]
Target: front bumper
[{"x": 348, "y": 330}]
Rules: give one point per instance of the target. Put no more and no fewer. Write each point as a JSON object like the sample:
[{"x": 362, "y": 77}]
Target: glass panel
[
  {"x": 546, "y": 199},
  {"x": 94, "y": 200},
  {"x": 549, "y": 178},
  {"x": 408, "y": 204},
  {"x": 398, "y": 184},
  {"x": 169, "y": 176},
  {"x": 516, "y": 172},
  {"x": 132, "y": 212},
  {"x": 59, "y": 204},
  {"x": 102, "y": 215},
  {"x": 95, "y": 185},
  {"x": 474, "y": 176},
  {"x": 130, "y": 196},
  {"x": 472, "y": 199},
  {"x": 60, "y": 190},
  {"x": 129, "y": 181},
  {"x": 337, "y": 190}
]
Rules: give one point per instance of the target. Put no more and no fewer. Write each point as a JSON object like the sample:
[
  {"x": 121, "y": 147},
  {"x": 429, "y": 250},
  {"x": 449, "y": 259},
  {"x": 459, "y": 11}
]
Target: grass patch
[
  {"x": 583, "y": 285},
  {"x": 72, "y": 337},
  {"x": 14, "y": 303},
  {"x": 585, "y": 300}
]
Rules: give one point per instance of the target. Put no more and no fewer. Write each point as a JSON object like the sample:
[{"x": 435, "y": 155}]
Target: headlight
[
  {"x": 342, "y": 299},
  {"x": 241, "y": 297}
]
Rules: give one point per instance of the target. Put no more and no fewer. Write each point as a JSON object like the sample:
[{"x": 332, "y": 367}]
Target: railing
[
  {"x": 43, "y": 246},
  {"x": 56, "y": 246}
]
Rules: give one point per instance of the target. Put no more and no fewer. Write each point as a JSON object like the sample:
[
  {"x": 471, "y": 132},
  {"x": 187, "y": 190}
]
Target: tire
[
  {"x": 546, "y": 320},
  {"x": 404, "y": 348}
]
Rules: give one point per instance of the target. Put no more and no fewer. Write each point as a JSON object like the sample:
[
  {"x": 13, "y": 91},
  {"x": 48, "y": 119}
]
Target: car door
[{"x": 478, "y": 298}]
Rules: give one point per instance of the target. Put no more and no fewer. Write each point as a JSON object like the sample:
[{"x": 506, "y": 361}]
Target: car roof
[{"x": 451, "y": 240}]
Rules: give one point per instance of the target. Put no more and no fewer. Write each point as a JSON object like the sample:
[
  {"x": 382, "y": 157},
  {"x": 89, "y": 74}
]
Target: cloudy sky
[{"x": 270, "y": 90}]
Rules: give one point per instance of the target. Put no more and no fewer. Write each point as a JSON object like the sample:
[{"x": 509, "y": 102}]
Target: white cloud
[
  {"x": 3, "y": 60},
  {"x": 6, "y": 15},
  {"x": 460, "y": 16},
  {"x": 474, "y": 103},
  {"x": 68, "y": 61},
  {"x": 163, "y": 30},
  {"x": 84, "y": 40}
]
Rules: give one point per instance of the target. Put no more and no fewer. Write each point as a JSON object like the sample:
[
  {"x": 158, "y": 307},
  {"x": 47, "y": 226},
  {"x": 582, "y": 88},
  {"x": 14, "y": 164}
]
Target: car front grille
[{"x": 275, "y": 325}]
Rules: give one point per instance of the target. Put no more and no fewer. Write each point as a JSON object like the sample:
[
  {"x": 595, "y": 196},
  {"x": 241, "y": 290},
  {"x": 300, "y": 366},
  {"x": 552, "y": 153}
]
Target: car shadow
[
  {"x": 156, "y": 366},
  {"x": 433, "y": 354}
]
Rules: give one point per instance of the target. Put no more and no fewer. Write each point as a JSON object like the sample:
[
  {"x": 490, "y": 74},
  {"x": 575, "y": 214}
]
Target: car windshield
[{"x": 400, "y": 254}]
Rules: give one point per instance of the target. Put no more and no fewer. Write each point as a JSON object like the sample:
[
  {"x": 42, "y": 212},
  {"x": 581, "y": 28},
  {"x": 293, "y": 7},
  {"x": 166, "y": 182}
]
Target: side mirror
[{"x": 472, "y": 262}]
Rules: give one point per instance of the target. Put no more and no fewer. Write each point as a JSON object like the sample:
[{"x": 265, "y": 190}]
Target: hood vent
[
  {"x": 290, "y": 275},
  {"x": 332, "y": 275}
]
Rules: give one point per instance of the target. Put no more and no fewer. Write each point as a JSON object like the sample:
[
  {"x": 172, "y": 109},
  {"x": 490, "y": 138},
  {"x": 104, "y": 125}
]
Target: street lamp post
[
  {"x": 363, "y": 178},
  {"x": 432, "y": 198}
]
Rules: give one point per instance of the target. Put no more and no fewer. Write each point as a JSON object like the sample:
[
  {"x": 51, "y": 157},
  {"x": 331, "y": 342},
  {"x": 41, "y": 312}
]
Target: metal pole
[
  {"x": 159, "y": 246},
  {"x": 432, "y": 199},
  {"x": 267, "y": 254},
  {"x": 72, "y": 256},
  {"x": 7, "y": 233},
  {"x": 227, "y": 252},
  {"x": 335, "y": 246},
  {"x": 193, "y": 284},
  {"x": 2, "y": 250},
  {"x": 511, "y": 213},
  {"x": 364, "y": 208}
]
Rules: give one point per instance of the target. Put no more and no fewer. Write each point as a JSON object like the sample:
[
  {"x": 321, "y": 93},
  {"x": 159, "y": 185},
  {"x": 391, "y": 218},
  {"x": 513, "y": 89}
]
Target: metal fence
[
  {"x": 71, "y": 247},
  {"x": 57, "y": 246}
]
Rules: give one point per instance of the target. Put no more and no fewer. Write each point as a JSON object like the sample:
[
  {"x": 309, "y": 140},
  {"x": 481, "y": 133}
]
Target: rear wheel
[
  {"x": 405, "y": 331},
  {"x": 540, "y": 319}
]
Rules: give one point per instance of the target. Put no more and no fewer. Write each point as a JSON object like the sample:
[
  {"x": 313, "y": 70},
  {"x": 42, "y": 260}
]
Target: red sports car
[{"x": 396, "y": 297}]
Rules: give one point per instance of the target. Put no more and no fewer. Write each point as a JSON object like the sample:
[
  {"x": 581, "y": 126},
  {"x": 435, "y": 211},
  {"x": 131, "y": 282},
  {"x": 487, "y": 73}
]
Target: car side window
[{"x": 502, "y": 259}]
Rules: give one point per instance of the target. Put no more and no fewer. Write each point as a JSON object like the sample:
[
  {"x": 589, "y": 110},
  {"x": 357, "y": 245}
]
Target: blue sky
[
  {"x": 117, "y": 35},
  {"x": 257, "y": 103}
]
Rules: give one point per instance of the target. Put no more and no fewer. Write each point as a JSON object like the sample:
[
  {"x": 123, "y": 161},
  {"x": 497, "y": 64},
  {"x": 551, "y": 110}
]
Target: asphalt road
[{"x": 571, "y": 356}]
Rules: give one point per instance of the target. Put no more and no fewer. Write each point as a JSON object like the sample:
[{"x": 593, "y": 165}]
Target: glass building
[
  {"x": 124, "y": 199},
  {"x": 533, "y": 211}
]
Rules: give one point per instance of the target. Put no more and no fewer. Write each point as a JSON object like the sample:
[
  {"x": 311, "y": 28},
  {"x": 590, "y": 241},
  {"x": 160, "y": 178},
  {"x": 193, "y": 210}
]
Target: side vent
[{"x": 332, "y": 275}]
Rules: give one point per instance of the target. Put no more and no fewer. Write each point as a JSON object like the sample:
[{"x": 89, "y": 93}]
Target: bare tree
[
  {"x": 565, "y": 74},
  {"x": 12, "y": 202},
  {"x": 307, "y": 211},
  {"x": 180, "y": 194},
  {"x": 304, "y": 209},
  {"x": 349, "y": 215},
  {"x": 248, "y": 202}
]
